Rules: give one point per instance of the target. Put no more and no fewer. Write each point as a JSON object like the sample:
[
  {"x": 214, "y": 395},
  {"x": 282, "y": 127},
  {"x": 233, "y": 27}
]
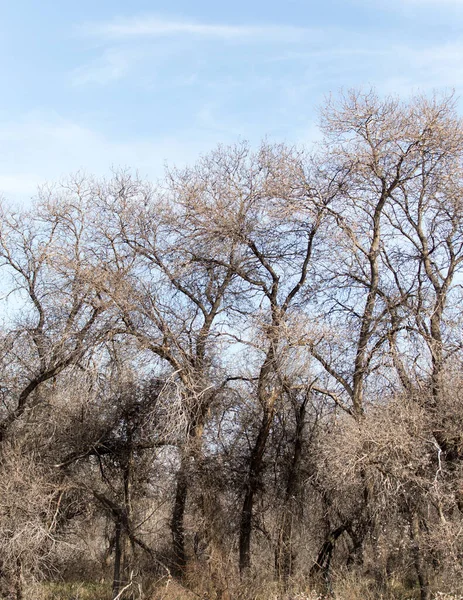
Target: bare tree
[
  {"x": 58, "y": 315},
  {"x": 265, "y": 212},
  {"x": 170, "y": 302},
  {"x": 266, "y": 337}
]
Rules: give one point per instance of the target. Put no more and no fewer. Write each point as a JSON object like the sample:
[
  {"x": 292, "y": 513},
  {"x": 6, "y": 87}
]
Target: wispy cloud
[
  {"x": 436, "y": 2},
  {"x": 442, "y": 10},
  {"x": 47, "y": 147},
  {"x": 433, "y": 67},
  {"x": 127, "y": 43},
  {"x": 111, "y": 66},
  {"x": 405, "y": 4},
  {"x": 154, "y": 27}
]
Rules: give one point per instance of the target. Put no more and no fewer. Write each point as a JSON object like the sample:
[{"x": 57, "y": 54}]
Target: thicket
[{"x": 244, "y": 381}]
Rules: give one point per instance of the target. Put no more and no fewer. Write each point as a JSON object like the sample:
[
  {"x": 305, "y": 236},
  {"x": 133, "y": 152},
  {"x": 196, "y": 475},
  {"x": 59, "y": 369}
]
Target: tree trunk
[
  {"x": 117, "y": 559},
  {"x": 178, "y": 515},
  {"x": 284, "y": 560},
  {"x": 323, "y": 562},
  {"x": 425, "y": 593},
  {"x": 18, "y": 583},
  {"x": 254, "y": 475},
  {"x": 284, "y": 556},
  {"x": 184, "y": 476},
  {"x": 125, "y": 542}
]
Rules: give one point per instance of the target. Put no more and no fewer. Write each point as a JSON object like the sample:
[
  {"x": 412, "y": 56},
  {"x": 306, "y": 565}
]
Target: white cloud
[
  {"x": 432, "y": 67},
  {"x": 152, "y": 27},
  {"x": 17, "y": 186},
  {"x": 441, "y": 9},
  {"x": 111, "y": 66},
  {"x": 436, "y": 2},
  {"x": 127, "y": 43},
  {"x": 406, "y": 4},
  {"x": 43, "y": 148}
]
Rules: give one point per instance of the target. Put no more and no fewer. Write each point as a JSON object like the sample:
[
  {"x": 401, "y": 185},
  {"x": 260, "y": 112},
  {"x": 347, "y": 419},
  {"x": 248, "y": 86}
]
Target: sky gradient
[{"x": 98, "y": 85}]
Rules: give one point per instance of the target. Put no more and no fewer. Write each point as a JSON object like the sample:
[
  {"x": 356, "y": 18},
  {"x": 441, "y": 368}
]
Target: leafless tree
[
  {"x": 254, "y": 363},
  {"x": 58, "y": 316},
  {"x": 264, "y": 212}
]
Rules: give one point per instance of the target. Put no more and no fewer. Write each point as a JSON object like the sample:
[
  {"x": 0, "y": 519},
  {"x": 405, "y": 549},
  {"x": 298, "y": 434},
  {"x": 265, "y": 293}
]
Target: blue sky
[{"x": 90, "y": 85}]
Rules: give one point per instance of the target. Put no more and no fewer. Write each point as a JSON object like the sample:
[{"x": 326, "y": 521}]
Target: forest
[{"x": 243, "y": 381}]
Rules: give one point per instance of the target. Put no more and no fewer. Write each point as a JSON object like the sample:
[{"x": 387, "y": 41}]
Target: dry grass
[
  {"x": 69, "y": 591},
  {"x": 349, "y": 588}
]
